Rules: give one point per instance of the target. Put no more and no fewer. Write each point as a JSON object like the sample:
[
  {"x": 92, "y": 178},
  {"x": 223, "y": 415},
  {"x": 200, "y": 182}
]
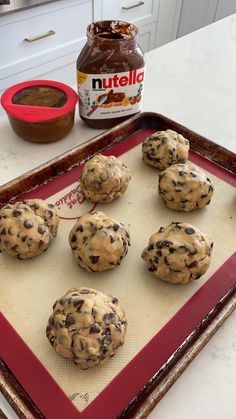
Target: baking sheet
[{"x": 29, "y": 288}]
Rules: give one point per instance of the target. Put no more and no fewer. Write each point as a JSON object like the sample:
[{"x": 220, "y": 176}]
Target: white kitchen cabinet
[
  {"x": 196, "y": 14},
  {"x": 168, "y": 21},
  {"x": 225, "y": 8}
]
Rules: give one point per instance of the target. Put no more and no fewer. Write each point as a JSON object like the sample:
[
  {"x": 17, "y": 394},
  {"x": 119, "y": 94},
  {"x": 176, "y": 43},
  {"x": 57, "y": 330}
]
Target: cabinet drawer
[
  {"x": 68, "y": 19},
  {"x": 140, "y": 12}
]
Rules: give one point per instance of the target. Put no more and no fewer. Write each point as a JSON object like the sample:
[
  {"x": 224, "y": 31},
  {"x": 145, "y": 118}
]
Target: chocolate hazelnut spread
[{"x": 110, "y": 74}]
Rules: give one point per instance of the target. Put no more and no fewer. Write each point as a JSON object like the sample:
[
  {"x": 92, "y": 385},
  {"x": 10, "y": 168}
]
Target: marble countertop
[{"x": 191, "y": 80}]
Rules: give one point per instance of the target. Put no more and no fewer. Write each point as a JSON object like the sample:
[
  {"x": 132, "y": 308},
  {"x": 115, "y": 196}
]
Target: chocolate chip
[
  {"x": 166, "y": 261},
  {"x": 114, "y": 300},
  {"x": 86, "y": 291},
  {"x": 109, "y": 318},
  {"x": 164, "y": 243},
  {"x": 48, "y": 214},
  {"x": 150, "y": 247},
  {"x": 77, "y": 304},
  {"x": 115, "y": 227},
  {"x": 204, "y": 195},
  {"x": 51, "y": 205},
  {"x": 161, "y": 229},
  {"x": 94, "y": 312},
  {"x": 80, "y": 228},
  {"x": 41, "y": 229},
  {"x": 23, "y": 239},
  {"x": 152, "y": 268},
  {"x": 85, "y": 238},
  {"x": 34, "y": 206},
  {"x": 189, "y": 230},
  {"x": 28, "y": 224},
  {"x": 112, "y": 239},
  {"x": 16, "y": 213},
  {"x": 211, "y": 245},
  {"x": 73, "y": 238},
  {"x": 94, "y": 259},
  {"x": 94, "y": 328},
  {"x": 41, "y": 242},
  {"x": 3, "y": 232},
  {"x": 156, "y": 260},
  {"x": 172, "y": 249},
  {"x": 69, "y": 321},
  {"x": 107, "y": 340},
  {"x": 14, "y": 248},
  {"x": 193, "y": 264},
  {"x": 54, "y": 305}
]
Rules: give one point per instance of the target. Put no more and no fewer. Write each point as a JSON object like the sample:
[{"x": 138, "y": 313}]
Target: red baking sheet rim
[{"x": 39, "y": 384}]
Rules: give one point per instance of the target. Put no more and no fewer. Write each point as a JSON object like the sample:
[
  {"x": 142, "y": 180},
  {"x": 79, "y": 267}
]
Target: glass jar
[{"x": 110, "y": 74}]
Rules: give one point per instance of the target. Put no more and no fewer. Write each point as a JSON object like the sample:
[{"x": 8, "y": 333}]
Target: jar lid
[{"x": 36, "y": 113}]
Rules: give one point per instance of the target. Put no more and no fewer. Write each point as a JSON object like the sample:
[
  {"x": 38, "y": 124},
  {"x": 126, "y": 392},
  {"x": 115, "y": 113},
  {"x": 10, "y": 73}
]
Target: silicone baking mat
[{"x": 160, "y": 315}]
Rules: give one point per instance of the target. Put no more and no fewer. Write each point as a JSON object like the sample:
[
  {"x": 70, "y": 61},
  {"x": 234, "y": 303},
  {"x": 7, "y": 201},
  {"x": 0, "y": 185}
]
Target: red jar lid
[{"x": 32, "y": 113}]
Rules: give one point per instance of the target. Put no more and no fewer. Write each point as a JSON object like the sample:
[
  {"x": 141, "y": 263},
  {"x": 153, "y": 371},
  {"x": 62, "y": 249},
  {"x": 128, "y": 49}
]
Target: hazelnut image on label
[
  {"x": 178, "y": 253},
  {"x": 86, "y": 327},
  {"x": 27, "y": 228},
  {"x": 99, "y": 242},
  {"x": 164, "y": 148},
  {"x": 104, "y": 179}
]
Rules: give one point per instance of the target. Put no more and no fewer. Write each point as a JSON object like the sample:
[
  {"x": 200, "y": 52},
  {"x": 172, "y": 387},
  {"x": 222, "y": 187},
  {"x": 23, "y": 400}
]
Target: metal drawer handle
[
  {"x": 140, "y": 3},
  {"x": 36, "y": 38}
]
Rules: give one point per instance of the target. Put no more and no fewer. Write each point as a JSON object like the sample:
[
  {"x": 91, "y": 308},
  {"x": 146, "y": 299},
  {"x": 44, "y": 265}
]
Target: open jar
[
  {"x": 40, "y": 110},
  {"x": 110, "y": 74}
]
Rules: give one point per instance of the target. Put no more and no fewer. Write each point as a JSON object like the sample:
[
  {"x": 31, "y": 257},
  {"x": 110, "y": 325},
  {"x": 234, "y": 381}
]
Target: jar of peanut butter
[{"x": 110, "y": 74}]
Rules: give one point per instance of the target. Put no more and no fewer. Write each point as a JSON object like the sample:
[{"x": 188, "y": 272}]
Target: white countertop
[{"x": 193, "y": 81}]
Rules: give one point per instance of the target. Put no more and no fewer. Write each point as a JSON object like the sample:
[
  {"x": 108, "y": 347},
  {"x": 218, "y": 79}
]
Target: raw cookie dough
[
  {"x": 99, "y": 242},
  {"x": 164, "y": 148},
  {"x": 104, "y": 179},
  {"x": 178, "y": 253},
  {"x": 185, "y": 187},
  {"x": 86, "y": 327},
  {"x": 27, "y": 228}
]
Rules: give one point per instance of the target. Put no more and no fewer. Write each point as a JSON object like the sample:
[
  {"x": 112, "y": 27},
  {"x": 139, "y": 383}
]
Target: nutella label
[{"x": 103, "y": 96}]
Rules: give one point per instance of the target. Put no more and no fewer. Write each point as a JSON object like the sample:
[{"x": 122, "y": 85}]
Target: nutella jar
[{"x": 110, "y": 74}]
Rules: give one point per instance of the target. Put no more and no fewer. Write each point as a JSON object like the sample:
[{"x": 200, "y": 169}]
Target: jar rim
[{"x": 115, "y": 27}]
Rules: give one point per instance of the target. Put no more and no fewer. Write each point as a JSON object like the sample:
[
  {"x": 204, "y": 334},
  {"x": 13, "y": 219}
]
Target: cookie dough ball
[
  {"x": 164, "y": 148},
  {"x": 185, "y": 187},
  {"x": 104, "y": 179},
  {"x": 86, "y": 327},
  {"x": 27, "y": 228},
  {"x": 178, "y": 253},
  {"x": 99, "y": 242}
]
